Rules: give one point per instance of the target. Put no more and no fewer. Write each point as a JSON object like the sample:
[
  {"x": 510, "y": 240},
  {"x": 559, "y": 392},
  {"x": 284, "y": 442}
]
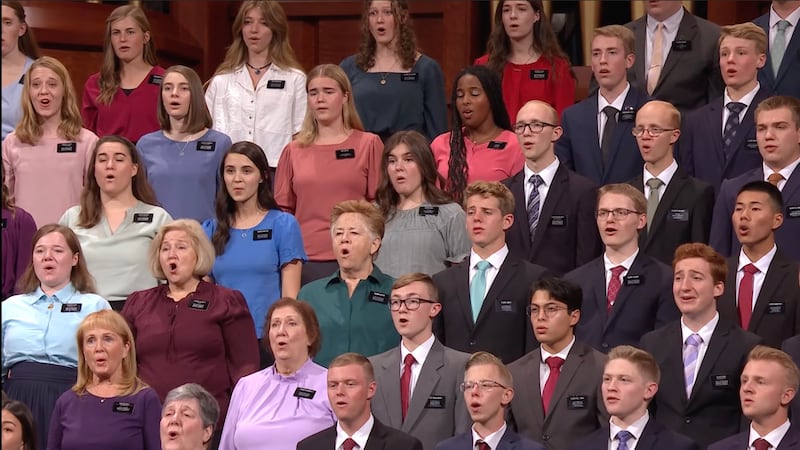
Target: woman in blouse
[
  {"x": 187, "y": 329},
  {"x": 122, "y": 98},
  {"x": 389, "y": 70},
  {"x": 38, "y": 327},
  {"x": 116, "y": 220},
  {"x": 524, "y": 50},
  {"x": 266, "y": 403},
  {"x": 332, "y": 160},
  {"x": 189, "y": 418},
  {"x": 425, "y": 229},
  {"x": 481, "y": 145},
  {"x": 109, "y": 406},
  {"x": 258, "y": 91},
  {"x": 18, "y": 430},
  {"x": 17, "y": 238},
  {"x": 19, "y": 51},
  {"x": 49, "y": 143},
  {"x": 181, "y": 159},
  {"x": 259, "y": 247}
]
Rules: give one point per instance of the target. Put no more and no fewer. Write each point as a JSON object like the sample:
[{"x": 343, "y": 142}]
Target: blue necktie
[
  {"x": 690, "y": 353},
  {"x": 477, "y": 289},
  {"x": 533, "y": 203},
  {"x": 623, "y": 437}
]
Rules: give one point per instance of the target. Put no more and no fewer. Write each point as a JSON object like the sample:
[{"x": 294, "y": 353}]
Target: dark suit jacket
[
  {"x": 502, "y": 328},
  {"x": 380, "y": 438},
  {"x": 654, "y": 437},
  {"x": 566, "y": 236},
  {"x": 700, "y": 149},
  {"x": 437, "y": 410},
  {"x": 576, "y": 407},
  {"x": 713, "y": 411},
  {"x": 579, "y": 146},
  {"x": 683, "y": 215},
  {"x": 792, "y": 347},
  {"x": 776, "y": 316},
  {"x": 690, "y": 77},
  {"x": 790, "y": 441},
  {"x": 786, "y": 81},
  {"x": 509, "y": 441},
  {"x": 724, "y": 239},
  {"x": 644, "y": 303}
]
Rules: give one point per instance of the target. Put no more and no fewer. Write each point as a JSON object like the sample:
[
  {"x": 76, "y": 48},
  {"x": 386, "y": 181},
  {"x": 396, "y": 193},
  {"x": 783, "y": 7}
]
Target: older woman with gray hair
[{"x": 189, "y": 418}]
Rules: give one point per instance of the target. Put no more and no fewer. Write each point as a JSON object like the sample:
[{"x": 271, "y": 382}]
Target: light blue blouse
[{"x": 12, "y": 105}]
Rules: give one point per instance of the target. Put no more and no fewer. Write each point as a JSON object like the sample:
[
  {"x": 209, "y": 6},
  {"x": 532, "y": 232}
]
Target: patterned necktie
[
  {"x": 690, "y": 352},
  {"x": 732, "y": 124},
  {"x": 775, "y": 178},
  {"x": 480, "y": 445},
  {"x": 608, "y": 131},
  {"x": 778, "y": 46},
  {"x": 656, "y": 59},
  {"x": 405, "y": 384},
  {"x": 652, "y": 201},
  {"x": 614, "y": 285},
  {"x": 623, "y": 437},
  {"x": 477, "y": 289},
  {"x": 348, "y": 444},
  {"x": 554, "y": 363},
  {"x": 745, "y": 301},
  {"x": 761, "y": 444},
  {"x": 533, "y": 203}
]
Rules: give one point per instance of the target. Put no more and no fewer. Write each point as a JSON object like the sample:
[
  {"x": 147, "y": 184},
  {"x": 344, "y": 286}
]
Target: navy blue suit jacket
[
  {"x": 654, "y": 437},
  {"x": 509, "y": 441},
  {"x": 724, "y": 239},
  {"x": 786, "y": 81},
  {"x": 579, "y": 146},
  {"x": 792, "y": 347},
  {"x": 700, "y": 148},
  {"x": 790, "y": 441}
]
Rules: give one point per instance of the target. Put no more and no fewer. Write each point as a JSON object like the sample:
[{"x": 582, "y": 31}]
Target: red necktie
[
  {"x": 554, "y": 363},
  {"x": 482, "y": 445},
  {"x": 348, "y": 444},
  {"x": 746, "y": 295},
  {"x": 761, "y": 444},
  {"x": 405, "y": 384},
  {"x": 614, "y": 285}
]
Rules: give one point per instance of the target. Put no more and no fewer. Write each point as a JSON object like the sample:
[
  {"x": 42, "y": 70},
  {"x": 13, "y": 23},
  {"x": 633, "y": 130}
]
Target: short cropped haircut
[
  {"x": 346, "y": 359},
  {"x": 554, "y": 119},
  {"x": 644, "y": 361},
  {"x": 673, "y": 114},
  {"x": 765, "y": 353},
  {"x": 781, "y": 101},
  {"x": 369, "y": 212},
  {"x": 200, "y": 243},
  {"x": 486, "y": 358},
  {"x": 491, "y": 189},
  {"x": 775, "y": 196},
  {"x": 561, "y": 290},
  {"x": 717, "y": 263},
  {"x": 748, "y": 31},
  {"x": 307, "y": 315},
  {"x": 209, "y": 408},
  {"x": 405, "y": 280},
  {"x": 636, "y": 196},
  {"x": 620, "y": 32}
]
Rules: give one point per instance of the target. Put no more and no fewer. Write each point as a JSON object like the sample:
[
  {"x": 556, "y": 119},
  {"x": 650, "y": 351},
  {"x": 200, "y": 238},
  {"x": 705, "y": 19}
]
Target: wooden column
[{"x": 590, "y": 19}]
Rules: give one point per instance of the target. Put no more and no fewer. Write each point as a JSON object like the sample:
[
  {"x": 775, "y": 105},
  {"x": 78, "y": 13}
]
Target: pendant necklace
[
  {"x": 182, "y": 149},
  {"x": 258, "y": 69},
  {"x": 383, "y": 77}
]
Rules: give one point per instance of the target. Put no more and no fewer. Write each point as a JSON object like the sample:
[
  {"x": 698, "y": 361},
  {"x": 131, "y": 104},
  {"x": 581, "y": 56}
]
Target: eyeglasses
[
  {"x": 619, "y": 213},
  {"x": 549, "y": 310},
  {"x": 535, "y": 126},
  {"x": 482, "y": 385},
  {"x": 412, "y": 303},
  {"x": 652, "y": 131}
]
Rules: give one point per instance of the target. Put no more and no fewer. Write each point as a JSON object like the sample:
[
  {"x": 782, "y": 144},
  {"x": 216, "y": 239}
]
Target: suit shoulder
[
  {"x": 381, "y": 357},
  {"x": 455, "y": 357},
  {"x": 745, "y": 338},
  {"x": 400, "y": 440},
  {"x": 317, "y": 440},
  {"x": 707, "y": 26},
  {"x": 652, "y": 339},
  {"x": 534, "y": 270},
  {"x": 594, "y": 440},
  {"x": 792, "y": 346},
  {"x": 579, "y": 183},
  {"x": 579, "y": 272},
  {"x": 731, "y": 442},
  {"x": 449, "y": 273},
  {"x": 525, "y": 362}
]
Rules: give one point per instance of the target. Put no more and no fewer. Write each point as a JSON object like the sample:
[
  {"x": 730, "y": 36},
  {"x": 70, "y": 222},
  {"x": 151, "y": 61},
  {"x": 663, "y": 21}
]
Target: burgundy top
[
  {"x": 18, "y": 230},
  {"x": 208, "y": 338}
]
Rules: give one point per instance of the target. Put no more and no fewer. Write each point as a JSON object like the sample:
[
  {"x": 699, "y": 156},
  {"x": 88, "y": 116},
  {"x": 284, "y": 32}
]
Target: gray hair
[{"x": 209, "y": 408}]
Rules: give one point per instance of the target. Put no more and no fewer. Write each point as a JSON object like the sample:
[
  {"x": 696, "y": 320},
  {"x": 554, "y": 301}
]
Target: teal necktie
[
  {"x": 477, "y": 289},
  {"x": 778, "y": 47}
]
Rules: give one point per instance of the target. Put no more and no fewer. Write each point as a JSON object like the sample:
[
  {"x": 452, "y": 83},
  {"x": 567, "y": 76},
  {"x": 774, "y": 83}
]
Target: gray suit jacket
[
  {"x": 437, "y": 410},
  {"x": 576, "y": 408}
]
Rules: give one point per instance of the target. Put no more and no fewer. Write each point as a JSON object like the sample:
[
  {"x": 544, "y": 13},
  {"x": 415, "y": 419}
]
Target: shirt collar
[
  {"x": 626, "y": 264},
  {"x": 665, "y": 176},
  {"x": 671, "y": 23},
  {"x": 493, "y": 439},
  {"x": 786, "y": 171},
  {"x": 61, "y": 296},
  {"x": 747, "y": 99},
  {"x": 618, "y": 102},
  {"x": 420, "y": 353},
  {"x": 762, "y": 264},
  {"x": 636, "y": 428},
  {"x": 547, "y": 174},
  {"x": 792, "y": 18},
  {"x": 495, "y": 259},
  {"x": 272, "y": 372},
  {"x": 774, "y": 437},
  {"x": 705, "y": 332},
  {"x": 562, "y": 354},
  {"x": 360, "y": 436},
  {"x": 373, "y": 277}
]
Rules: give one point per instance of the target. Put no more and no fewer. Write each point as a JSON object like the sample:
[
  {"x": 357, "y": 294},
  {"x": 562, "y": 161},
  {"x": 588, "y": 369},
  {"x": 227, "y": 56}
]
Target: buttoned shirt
[
  {"x": 747, "y": 100},
  {"x": 493, "y": 439},
  {"x": 636, "y": 429},
  {"x": 544, "y": 369},
  {"x": 786, "y": 172},
  {"x": 496, "y": 259},
  {"x": 665, "y": 176},
  {"x": 627, "y": 263},
  {"x": 671, "y": 25},
  {"x": 420, "y": 355},
  {"x": 758, "y": 278},
  {"x": 360, "y": 436},
  {"x": 547, "y": 174},
  {"x": 705, "y": 334},
  {"x": 774, "y": 18},
  {"x": 774, "y": 437}
]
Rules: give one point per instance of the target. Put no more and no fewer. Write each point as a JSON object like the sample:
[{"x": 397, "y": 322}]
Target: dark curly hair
[{"x": 406, "y": 39}]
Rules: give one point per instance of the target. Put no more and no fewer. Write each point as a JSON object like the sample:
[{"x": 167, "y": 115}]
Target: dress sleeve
[
  {"x": 374, "y": 169},
  {"x": 9, "y": 178},
  {"x": 232, "y": 418},
  {"x": 56, "y": 431},
  {"x": 239, "y": 336},
  {"x": 565, "y": 86},
  {"x": 435, "y": 112},
  {"x": 152, "y": 420},
  {"x": 26, "y": 228},
  {"x": 290, "y": 241},
  {"x": 455, "y": 237},
  {"x": 284, "y": 191},
  {"x": 89, "y": 105},
  {"x": 129, "y": 311}
]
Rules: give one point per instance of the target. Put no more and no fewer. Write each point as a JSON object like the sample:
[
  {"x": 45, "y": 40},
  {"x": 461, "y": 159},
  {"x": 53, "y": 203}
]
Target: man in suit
[
  {"x": 484, "y": 298},
  {"x": 778, "y": 136},
  {"x": 554, "y": 223},
  {"x": 763, "y": 295},
  {"x": 779, "y": 74},
  {"x": 626, "y": 293},
  {"x": 678, "y": 206},
  {"x": 597, "y": 141},
  {"x": 560, "y": 398},
  {"x": 700, "y": 355},
  {"x": 685, "y": 72},
  {"x": 769, "y": 383},
  {"x": 351, "y": 386},
  {"x": 719, "y": 139},
  {"x": 630, "y": 381},
  {"x": 488, "y": 389},
  {"x": 419, "y": 382},
  {"x": 792, "y": 347}
]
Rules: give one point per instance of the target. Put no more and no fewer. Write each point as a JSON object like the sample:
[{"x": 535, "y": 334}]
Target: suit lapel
[
  {"x": 769, "y": 289},
  {"x": 791, "y": 440},
  {"x": 791, "y": 190},
  {"x": 764, "y": 24},
  {"x": 390, "y": 387},
  {"x": 715, "y": 127},
  {"x": 673, "y": 366},
  {"x": 742, "y": 131},
  {"x": 715, "y": 348},
  {"x": 621, "y": 130},
  {"x": 726, "y": 305},
  {"x": 640, "y": 35},
  {"x": 687, "y": 30},
  {"x": 521, "y": 210},
  {"x": 675, "y": 186},
  {"x": 504, "y": 275},
  {"x": 426, "y": 382},
  {"x": 554, "y": 194},
  {"x": 598, "y": 283},
  {"x": 530, "y": 388},
  {"x": 462, "y": 294},
  {"x": 377, "y": 439},
  {"x": 568, "y": 370},
  {"x": 594, "y": 135},
  {"x": 639, "y": 267},
  {"x": 791, "y": 53},
  {"x": 649, "y": 437}
]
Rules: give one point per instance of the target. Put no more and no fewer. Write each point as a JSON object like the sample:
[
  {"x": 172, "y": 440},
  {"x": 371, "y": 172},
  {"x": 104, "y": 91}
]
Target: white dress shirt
[
  {"x": 636, "y": 429},
  {"x": 547, "y": 174},
  {"x": 705, "y": 334},
  {"x": 758, "y": 278},
  {"x": 544, "y": 369},
  {"x": 786, "y": 172},
  {"x": 496, "y": 260},
  {"x": 360, "y": 436},
  {"x": 774, "y": 437},
  {"x": 420, "y": 354},
  {"x": 671, "y": 25},
  {"x": 665, "y": 176},
  {"x": 493, "y": 439},
  {"x": 617, "y": 103},
  {"x": 774, "y": 18},
  {"x": 626, "y": 264},
  {"x": 747, "y": 100}
]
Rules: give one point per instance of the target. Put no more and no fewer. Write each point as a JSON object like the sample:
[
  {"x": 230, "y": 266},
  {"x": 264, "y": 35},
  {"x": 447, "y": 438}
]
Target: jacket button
[
  {"x": 605, "y": 345},
  {"x": 545, "y": 437},
  {"x": 687, "y": 420},
  {"x": 472, "y": 343}
]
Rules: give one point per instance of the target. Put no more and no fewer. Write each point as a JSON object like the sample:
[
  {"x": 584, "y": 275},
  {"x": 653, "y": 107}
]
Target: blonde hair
[
  {"x": 636, "y": 196},
  {"x": 645, "y": 362},
  {"x": 486, "y": 358},
  {"x": 748, "y": 31},
  {"x": 765, "y": 353},
  {"x": 346, "y": 359},
  {"x": 200, "y": 243},
  {"x": 369, "y": 212},
  {"x": 620, "y": 32},
  {"x": 310, "y": 129},
  {"x": 491, "y": 189}
]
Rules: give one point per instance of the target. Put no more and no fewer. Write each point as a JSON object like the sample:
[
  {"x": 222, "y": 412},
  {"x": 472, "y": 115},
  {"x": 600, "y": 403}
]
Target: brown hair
[
  {"x": 310, "y": 129},
  {"x": 778, "y": 102},
  {"x": 307, "y": 315},
  {"x": 748, "y": 31},
  {"x": 492, "y": 189},
  {"x": 620, "y": 32},
  {"x": 486, "y": 358},
  {"x": 198, "y": 117},
  {"x": 80, "y": 277},
  {"x": 406, "y": 48},
  {"x": 200, "y": 243},
  {"x": 372, "y": 216},
  {"x": 636, "y": 196},
  {"x": 346, "y": 359},
  {"x": 418, "y": 277},
  {"x": 765, "y": 353},
  {"x": 717, "y": 263},
  {"x": 645, "y": 362},
  {"x": 7, "y": 198},
  {"x": 27, "y": 42}
]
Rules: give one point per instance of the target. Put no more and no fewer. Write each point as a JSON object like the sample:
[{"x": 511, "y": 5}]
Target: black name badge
[
  {"x": 304, "y": 393},
  {"x": 123, "y": 407},
  {"x": 751, "y": 144},
  {"x": 436, "y": 402},
  {"x": 67, "y": 147},
  {"x": 681, "y": 45},
  {"x": 206, "y": 146},
  {"x": 628, "y": 114},
  {"x": 4, "y": 224},
  {"x": 428, "y": 210},
  {"x": 633, "y": 280},
  {"x": 721, "y": 381},
  {"x": 505, "y": 306},
  {"x": 538, "y": 74},
  {"x": 776, "y": 308},
  {"x": 680, "y": 215},
  {"x": 71, "y": 307},
  {"x": 276, "y": 84},
  {"x": 200, "y": 305},
  {"x": 558, "y": 221},
  {"x": 378, "y": 297},
  {"x": 346, "y": 153},
  {"x": 262, "y": 235},
  {"x": 143, "y": 218},
  {"x": 793, "y": 212},
  {"x": 155, "y": 79},
  {"x": 497, "y": 145},
  {"x": 577, "y": 402},
  {"x": 411, "y": 76}
]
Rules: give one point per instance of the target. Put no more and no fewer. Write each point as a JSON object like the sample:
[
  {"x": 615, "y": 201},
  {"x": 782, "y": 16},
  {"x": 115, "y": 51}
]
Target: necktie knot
[
  {"x": 750, "y": 268},
  {"x": 694, "y": 340},
  {"x": 623, "y": 437},
  {"x": 610, "y": 112},
  {"x": 481, "y": 445},
  {"x": 554, "y": 362},
  {"x": 348, "y": 444},
  {"x": 775, "y": 178},
  {"x": 409, "y": 360},
  {"x": 654, "y": 184},
  {"x": 536, "y": 181},
  {"x": 735, "y": 107},
  {"x": 761, "y": 444},
  {"x": 782, "y": 25},
  {"x": 482, "y": 266},
  {"x": 617, "y": 271}
]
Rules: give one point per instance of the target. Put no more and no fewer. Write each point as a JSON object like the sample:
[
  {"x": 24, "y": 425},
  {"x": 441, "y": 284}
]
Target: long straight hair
[
  {"x": 80, "y": 277},
  {"x": 198, "y": 116},
  {"x": 310, "y": 128},
  {"x": 27, "y": 42}
]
